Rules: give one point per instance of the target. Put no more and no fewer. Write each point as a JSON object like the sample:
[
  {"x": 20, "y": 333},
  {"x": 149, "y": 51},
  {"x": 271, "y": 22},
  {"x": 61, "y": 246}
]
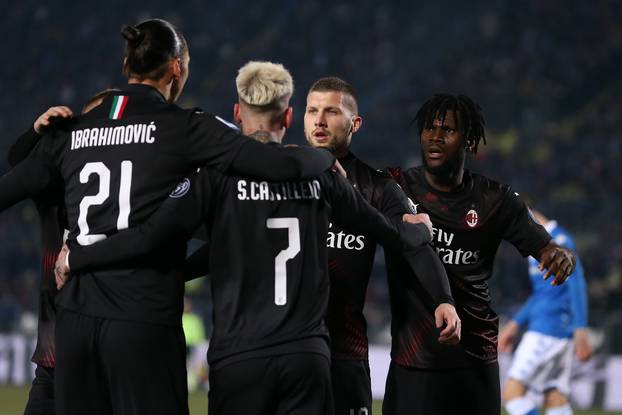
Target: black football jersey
[
  {"x": 118, "y": 163},
  {"x": 268, "y": 260},
  {"x": 350, "y": 260},
  {"x": 469, "y": 224},
  {"x": 49, "y": 205}
]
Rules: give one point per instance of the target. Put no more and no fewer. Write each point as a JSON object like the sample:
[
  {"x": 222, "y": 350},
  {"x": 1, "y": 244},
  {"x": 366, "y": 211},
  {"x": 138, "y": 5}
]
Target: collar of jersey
[{"x": 144, "y": 89}]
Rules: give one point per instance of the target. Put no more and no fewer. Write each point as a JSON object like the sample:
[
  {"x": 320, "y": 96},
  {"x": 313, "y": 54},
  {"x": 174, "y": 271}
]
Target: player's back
[
  {"x": 118, "y": 163},
  {"x": 268, "y": 265}
]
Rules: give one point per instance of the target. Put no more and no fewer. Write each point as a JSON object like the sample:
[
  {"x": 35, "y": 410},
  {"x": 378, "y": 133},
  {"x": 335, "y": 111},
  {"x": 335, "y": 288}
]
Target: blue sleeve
[
  {"x": 577, "y": 289},
  {"x": 578, "y": 297},
  {"x": 523, "y": 315}
]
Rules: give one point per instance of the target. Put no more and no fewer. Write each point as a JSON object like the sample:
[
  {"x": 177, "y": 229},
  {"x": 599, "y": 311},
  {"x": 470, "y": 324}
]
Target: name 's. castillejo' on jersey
[
  {"x": 113, "y": 136},
  {"x": 342, "y": 240},
  {"x": 442, "y": 240},
  {"x": 267, "y": 191}
]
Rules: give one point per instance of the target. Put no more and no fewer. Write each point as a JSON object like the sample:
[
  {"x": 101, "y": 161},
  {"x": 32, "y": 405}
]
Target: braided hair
[{"x": 469, "y": 118}]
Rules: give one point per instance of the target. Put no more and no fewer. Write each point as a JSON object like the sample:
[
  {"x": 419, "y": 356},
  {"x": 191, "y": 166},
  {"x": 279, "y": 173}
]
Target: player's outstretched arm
[
  {"x": 279, "y": 163},
  {"x": 214, "y": 144},
  {"x": 352, "y": 212},
  {"x": 577, "y": 288},
  {"x": 430, "y": 272},
  {"x": 178, "y": 216},
  {"x": 558, "y": 261}
]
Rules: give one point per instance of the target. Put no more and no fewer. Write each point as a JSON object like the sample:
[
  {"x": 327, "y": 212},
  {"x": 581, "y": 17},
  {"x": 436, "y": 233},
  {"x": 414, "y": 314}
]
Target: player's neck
[
  {"x": 446, "y": 182},
  {"x": 264, "y": 136},
  {"x": 161, "y": 86}
]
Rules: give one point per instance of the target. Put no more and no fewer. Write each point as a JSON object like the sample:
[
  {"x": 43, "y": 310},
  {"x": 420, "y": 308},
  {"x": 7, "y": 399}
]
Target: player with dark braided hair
[
  {"x": 471, "y": 215},
  {"x": 472, "y": 119}
]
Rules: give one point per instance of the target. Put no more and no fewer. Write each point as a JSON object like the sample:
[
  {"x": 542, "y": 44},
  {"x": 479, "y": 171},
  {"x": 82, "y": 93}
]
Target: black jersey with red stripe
[
  {"x": 350, "y": 261},
  {"x": 469, "y": 224},
  {"x": 49, "y": 205}
]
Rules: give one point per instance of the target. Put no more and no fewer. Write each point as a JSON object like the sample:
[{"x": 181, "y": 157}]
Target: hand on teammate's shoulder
[{"x": 51, "y": 116}]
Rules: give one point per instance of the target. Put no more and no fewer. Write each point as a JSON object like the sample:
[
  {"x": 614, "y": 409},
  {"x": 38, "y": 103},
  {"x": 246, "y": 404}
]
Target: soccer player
[
  {"x": 554, "y": 316},
  {"x": 268, "y": 265},
  {"x": 50, "y": 208},
  {"x": 51, "y": 211},
  {"x": 331, "y": 119},
  {"x": 471, "y": 215},
  {"x": 118, "y": 331}
]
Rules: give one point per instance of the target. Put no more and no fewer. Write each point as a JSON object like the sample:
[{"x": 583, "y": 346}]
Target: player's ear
[
  {"x": 288, "y": 117},
  {"x": 357, "y": 122},
  {"x": 175, "y": 68},
  {"x": 236, "y": 114}
]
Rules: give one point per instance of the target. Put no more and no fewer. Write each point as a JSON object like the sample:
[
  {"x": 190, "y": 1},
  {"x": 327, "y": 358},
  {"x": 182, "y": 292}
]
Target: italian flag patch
[{"x": 118, "y": 106}]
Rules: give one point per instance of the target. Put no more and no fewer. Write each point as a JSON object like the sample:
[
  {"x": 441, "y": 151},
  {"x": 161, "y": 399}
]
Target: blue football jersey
[{"x": 555, "y": 310}]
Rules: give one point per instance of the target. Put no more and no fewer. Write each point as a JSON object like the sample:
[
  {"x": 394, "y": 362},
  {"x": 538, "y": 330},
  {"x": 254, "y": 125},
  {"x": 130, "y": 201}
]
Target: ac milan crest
[{"x": 471, "y": 218}]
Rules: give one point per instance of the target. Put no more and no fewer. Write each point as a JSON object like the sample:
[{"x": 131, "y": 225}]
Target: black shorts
[
  {"x": 119, "y": 367},
  {"x": 41, "y": 395},
  {"x": 297, "y": 384},
  {"x": 351, "y": 387},
  {"x": 473, "y": 390}
]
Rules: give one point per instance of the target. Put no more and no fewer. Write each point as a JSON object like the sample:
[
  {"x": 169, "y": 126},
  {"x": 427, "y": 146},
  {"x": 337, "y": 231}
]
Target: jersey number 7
[{"x": 280, "y": 269}]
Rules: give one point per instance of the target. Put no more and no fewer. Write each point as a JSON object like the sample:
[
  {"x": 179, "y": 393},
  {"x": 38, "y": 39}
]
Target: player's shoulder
[
  {"x": 200, "y": 177},
  {"x": 412, "y": 178},
  {"x": 366, "y": 176},
  {"x": 487, "y": 185}
]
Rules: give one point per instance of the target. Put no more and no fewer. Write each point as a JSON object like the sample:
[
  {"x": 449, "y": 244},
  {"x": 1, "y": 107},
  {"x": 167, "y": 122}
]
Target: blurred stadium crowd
[{"x": 547, "y": 75}]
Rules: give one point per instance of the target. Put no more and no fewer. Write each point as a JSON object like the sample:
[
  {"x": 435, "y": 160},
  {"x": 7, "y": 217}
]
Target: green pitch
[{"x": 13, "y": 399}]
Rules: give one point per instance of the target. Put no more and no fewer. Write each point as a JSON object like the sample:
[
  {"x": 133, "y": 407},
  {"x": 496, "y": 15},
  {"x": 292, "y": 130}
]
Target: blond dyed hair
[{"x": 264, "y": 86}]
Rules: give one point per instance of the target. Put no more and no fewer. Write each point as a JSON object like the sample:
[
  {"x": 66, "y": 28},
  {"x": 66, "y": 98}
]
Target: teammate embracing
[
  {"x": 269, "y": 350},
  {"x": 471, "y": 215},
  {"x": 116, "y": 164}
]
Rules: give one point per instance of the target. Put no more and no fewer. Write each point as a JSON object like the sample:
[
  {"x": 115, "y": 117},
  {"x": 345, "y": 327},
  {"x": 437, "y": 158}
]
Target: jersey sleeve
[
  {"x": 23, "y": 146},
  {"x": 351, "y": 211},
  {"x": 178, "y": 216},
  {"x": 29, "y": 178},
  {"x": 215, "y": 144},
  {"x": 577, "y": 288},
  {"x": 578, "y": 297},
  {"x": 197, "y": 264},
  {"x": 393, "y": 202},
  {"x": 519, "y": 227},
  {"x": 430, "y": 272}
]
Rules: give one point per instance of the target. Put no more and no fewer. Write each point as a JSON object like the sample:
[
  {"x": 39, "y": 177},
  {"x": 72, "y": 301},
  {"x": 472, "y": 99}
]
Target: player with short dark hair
[
  {"x": 118, "y": 163},
  {"x": 331, "y": 119},
  {"x": 471, "y": 215},
  {"x": 268, "y": 267}
]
